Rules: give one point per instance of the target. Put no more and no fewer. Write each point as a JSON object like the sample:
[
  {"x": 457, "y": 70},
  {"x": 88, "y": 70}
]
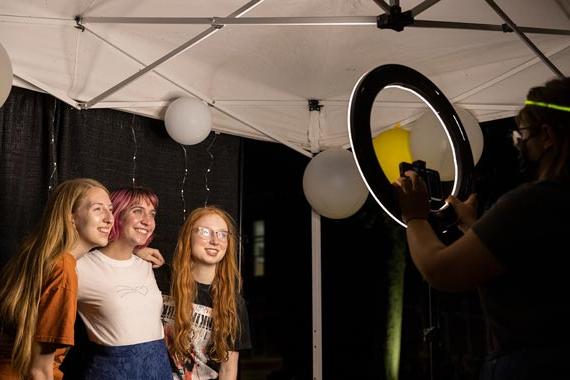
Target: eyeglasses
[
  {"x": 517, "y": 136},
  {"x": 206, "y": 233}
]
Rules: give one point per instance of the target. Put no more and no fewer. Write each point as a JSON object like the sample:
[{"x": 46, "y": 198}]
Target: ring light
[{"x": 359, "y": 111}]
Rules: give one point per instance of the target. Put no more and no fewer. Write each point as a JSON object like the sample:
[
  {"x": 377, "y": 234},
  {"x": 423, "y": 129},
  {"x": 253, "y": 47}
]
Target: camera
[{"x": 429, "y": 176}]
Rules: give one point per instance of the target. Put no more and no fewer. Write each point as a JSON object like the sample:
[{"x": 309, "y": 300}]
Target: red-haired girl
[{"x": 208, "y": 324}]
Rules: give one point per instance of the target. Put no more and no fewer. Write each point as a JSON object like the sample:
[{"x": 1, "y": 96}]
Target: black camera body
[
  {"x": 429, "y": 176},
  {"x": 442, "y": 219}
]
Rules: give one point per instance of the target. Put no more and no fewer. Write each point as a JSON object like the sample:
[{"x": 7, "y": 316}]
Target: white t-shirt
[{"x": 118, "y": 300}]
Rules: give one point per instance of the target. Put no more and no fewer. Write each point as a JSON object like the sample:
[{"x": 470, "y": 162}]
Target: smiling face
[
  {"x": 208, "y": 245},
  {"x": 93, "y": 220},
  {"x": 138, "y": 223}
]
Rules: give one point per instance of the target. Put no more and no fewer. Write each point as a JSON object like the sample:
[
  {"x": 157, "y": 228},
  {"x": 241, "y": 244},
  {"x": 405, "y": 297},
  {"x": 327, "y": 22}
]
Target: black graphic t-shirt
[{"x": 199, "y": 366}]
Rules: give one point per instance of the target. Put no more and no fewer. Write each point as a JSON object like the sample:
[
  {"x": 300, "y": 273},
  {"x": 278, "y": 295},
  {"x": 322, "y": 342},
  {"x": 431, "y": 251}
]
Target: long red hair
[{"x": 224, "y": 290}]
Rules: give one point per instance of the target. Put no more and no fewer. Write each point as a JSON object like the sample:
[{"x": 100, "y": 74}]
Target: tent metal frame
[
  {"x": 393, "y": 18},
  {"x": 393, "y": 10},
  {"x": 311, "y": 21}
]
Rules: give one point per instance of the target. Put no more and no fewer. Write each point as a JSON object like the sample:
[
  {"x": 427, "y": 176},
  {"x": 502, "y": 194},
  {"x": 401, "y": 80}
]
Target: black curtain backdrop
[{"x": 99, "y": 144}]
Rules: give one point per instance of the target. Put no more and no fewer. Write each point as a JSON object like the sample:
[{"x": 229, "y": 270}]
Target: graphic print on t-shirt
[
  {"x": 197, "y": 366},
  {"x": 123, "y": 290}
]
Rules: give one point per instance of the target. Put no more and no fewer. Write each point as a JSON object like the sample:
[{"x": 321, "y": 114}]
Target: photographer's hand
[
  {"x": 466, "y": 211},
  {"x": 412, "y": 196}
]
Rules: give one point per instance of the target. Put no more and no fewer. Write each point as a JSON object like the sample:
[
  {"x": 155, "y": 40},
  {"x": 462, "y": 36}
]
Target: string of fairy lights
[
  {"x": 52, "y": 150},
  {"x": 52, "y": 183},
  {"x": 134, "y": 172},
  {"x": 209, "y": 169},
  {"x": 184, "y": 182}
]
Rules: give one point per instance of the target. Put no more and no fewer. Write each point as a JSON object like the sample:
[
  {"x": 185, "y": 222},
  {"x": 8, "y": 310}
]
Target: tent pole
[
  {"x": 44, "y": 87},
  {"x": 315, "y": 21},
  {"x": 526, "y": 40},
  {"x": 179, "y": 50},
  {"x": 488, "y": 27},
  {"x": 423, "y": 6},
  {"x": 15, "y": 19},
  {"x": 197, "y": 39},
  {"x": 222, "y": 21},
  {"x": 317, "y": 296}
]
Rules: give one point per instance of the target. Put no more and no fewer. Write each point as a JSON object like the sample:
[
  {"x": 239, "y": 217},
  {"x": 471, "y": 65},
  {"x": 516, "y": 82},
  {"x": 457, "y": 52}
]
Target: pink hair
[{"x": 124, "y": 198}]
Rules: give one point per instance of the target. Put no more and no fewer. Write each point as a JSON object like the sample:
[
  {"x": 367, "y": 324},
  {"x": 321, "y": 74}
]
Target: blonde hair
[
  {"x": 25, "y": 275},
  {"x": 224, "y": 290}
]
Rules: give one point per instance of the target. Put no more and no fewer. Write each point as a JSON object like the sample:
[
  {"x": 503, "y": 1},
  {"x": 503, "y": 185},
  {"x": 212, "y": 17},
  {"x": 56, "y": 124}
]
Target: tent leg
[{"x": 317, "y": 300}]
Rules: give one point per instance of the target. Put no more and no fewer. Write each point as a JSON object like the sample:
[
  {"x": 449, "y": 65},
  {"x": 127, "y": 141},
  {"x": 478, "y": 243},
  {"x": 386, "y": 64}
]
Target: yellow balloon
[{"x": 392, "y": 147}]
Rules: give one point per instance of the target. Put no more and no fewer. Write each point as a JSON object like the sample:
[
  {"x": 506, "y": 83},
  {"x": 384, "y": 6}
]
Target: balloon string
[
  {"x": 53, "y": 153},
  {"x": 209, "y": 169},
  {"x": 135, "y": 151},
  {"x": 183, "y": 183}
]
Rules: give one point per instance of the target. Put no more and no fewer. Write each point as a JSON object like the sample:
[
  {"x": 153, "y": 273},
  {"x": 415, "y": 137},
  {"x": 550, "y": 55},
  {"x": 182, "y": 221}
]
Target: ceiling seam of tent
[
  {"x": 17, "y": 19},
  {"x": 525, "y": 39},
  {"x": 506, "y": 75},
  {"x": 564, "y": 6},
  {"x": 272, "y": 135}
]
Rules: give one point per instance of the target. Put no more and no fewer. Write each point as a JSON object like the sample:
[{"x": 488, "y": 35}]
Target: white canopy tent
[{"x": 258, "y": 63}]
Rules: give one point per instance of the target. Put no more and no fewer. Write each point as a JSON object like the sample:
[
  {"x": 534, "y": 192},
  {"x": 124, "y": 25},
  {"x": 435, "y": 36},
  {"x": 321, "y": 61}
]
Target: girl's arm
[
  {"x": 42, "y": 362},
  {"x": 229, "y": 368},
  {"x": 151, "y": 255}
]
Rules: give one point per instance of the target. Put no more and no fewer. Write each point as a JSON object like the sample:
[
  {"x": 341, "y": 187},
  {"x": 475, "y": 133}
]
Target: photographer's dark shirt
[{"x": 527, "y": 230}]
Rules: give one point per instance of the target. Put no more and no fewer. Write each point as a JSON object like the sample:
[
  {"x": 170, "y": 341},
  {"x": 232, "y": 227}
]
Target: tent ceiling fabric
[{"x": 263, "y": 75}]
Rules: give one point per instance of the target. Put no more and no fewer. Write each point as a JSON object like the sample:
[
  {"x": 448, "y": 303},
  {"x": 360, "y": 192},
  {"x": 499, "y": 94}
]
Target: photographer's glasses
[
  {"x": 206, "y": 233},
  {"x": 517, "y": 136}
]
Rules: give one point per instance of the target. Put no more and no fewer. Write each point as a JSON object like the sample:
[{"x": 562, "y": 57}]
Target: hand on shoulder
[{"x": 152, "y": 255}]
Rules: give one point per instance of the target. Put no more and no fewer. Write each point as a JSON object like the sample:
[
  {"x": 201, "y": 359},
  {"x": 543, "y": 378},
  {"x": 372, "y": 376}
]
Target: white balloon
[
  {"x": 429, "y": 143},
  {"x": 188, "y": 121},
  {"x": 6, "y": 75},
  {"x": 332, "y": 184}
]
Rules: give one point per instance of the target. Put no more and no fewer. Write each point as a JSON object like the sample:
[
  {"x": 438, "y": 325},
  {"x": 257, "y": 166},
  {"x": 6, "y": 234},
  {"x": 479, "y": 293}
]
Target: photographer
[{"x": 514, "y": 254}]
